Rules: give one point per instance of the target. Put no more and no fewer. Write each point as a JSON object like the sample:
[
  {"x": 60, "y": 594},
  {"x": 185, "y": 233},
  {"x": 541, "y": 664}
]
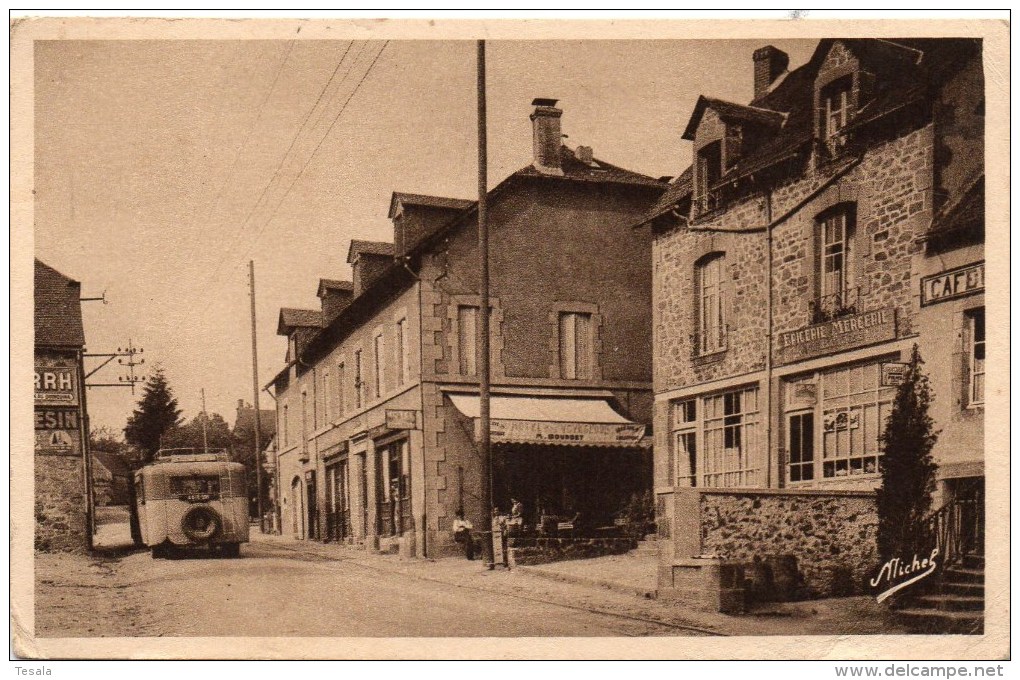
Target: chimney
[
  {"x": 546, "y": 136},
  {"x": 769, "y": 63},
  {"x": 584, "y": 154}
]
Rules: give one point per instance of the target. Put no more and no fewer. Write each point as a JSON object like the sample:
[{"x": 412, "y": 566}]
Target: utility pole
[
  {"x": 129, "y": 351},
  {"x": 255, "y": 399},
  {"x": 205, "y": 417},
  {"x": 484, "y": 387}
]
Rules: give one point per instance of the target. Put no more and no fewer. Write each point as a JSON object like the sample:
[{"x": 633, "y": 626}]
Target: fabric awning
[{"x": 564, "y": 421}]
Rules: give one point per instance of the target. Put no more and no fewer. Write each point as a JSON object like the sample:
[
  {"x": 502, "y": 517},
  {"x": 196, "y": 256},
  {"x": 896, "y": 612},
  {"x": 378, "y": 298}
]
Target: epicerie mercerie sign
[
  {"x": 856, "y": 330},
  {"x": 548, "y": 432},
  {"x": 55, "y": 385},
  {"x": 953, "y": 283}
]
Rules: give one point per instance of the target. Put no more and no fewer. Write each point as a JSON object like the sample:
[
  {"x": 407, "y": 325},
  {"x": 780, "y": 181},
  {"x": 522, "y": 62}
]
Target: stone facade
[
  {"x": 830, "y": 537},
  {"x": 788, "y": 341},
  {"x": 60, "y": 512},
  {"x": 603, "y": 274}
]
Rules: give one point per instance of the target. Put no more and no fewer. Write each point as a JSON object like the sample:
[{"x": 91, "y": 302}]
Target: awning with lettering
[{"x": 564, "y": 421}]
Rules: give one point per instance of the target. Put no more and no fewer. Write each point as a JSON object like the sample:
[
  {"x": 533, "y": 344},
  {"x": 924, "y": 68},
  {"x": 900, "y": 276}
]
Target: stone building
[
  {"x": 788, "y": 262},
  {"x": 63, "y": 503},
  {"x": 378, "y": 402}
]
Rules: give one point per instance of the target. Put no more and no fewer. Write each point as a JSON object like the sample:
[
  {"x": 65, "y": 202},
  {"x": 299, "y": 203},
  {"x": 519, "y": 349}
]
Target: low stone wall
[
  {"x": 59, "y": 504},
  {"x": 794, "y": 544},
  {"x": 530, "y": 551}
]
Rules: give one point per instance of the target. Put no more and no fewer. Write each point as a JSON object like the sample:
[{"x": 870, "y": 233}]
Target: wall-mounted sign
[
  {"x": 56, "y": 442},
  {"x": 544, "y": 432},
  {"x": 841, "y": 421},
  {"x": 56, "y": 419},
  {"x": 893, "y": 373},
  {"x": 397, "y": 419},
  {"x": 953, "y": 283},
  {"x": 848, "y": 332},
  {"x": 55, "y": 384}
]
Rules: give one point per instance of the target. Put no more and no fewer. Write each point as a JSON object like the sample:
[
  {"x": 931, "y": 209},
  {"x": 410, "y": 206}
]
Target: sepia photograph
[{"x": 509, "y": 333}]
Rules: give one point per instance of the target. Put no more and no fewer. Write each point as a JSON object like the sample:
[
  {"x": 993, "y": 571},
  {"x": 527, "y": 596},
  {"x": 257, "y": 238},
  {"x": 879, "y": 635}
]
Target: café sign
[
  {"x": 578, "y": 434},
  {"x": 847, "y": 332},
  {"x": 953, "y": 283}
]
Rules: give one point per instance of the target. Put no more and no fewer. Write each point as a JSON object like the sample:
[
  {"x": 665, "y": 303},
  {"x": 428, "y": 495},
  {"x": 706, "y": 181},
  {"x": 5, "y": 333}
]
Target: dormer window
[
  {"x": 707, "y": 174},
  {"x": 836, "y": 104}
]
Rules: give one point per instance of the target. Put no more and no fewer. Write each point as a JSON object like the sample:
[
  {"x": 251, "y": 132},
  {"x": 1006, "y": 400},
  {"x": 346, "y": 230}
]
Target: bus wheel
[{"x": 232, "y": 550}]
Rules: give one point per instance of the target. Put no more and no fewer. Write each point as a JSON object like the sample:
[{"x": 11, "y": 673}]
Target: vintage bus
[{"x": 186, "y": 498}]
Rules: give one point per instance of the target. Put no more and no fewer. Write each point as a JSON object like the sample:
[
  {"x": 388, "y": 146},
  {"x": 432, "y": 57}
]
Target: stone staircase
[{"x": 956, "y": 605}]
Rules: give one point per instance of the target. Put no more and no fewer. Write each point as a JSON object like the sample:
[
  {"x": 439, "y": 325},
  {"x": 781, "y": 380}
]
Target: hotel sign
[
  {"x": 848, "y": 332},
  {"x": 953, "y": 284},
  {"x": 578, "y": 434}
]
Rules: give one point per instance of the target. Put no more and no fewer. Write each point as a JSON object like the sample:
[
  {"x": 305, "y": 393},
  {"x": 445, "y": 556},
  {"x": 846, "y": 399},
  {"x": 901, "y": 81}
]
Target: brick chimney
[
  {"x": 769, "y": 63},
  {"x": 546, "y": 136}
]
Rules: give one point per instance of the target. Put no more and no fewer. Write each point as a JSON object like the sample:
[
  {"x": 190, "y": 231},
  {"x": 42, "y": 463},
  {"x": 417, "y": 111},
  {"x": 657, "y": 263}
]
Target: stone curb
[{"x": 647, "y": 594}]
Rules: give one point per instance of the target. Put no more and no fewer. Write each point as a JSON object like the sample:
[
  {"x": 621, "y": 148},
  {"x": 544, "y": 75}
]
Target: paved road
[{"x": 281, "y": 589}]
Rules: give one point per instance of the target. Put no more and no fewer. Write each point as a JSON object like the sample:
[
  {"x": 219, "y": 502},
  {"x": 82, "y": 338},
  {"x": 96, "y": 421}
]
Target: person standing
[{"x": 462, "y": 534}]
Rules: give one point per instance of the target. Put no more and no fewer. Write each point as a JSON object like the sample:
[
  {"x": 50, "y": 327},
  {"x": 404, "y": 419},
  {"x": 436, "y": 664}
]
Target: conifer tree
[
  {"x": 157, "y": 413},
  {"x": 907, "y": 466}
]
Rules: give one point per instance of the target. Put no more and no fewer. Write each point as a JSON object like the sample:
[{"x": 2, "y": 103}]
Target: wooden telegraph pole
[
  {"x": 255, "y": 399},
  {"x": 483, "y": 309}
]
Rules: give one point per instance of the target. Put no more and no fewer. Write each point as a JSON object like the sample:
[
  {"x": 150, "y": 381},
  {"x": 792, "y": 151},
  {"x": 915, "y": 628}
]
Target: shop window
[
  {"x": 377, "y": 365},
  {"x": 401, "y": 352},
  {"x": 711, "y": 300},
  {"x": 576, "y": 357},
  {"x": 975, "y": 333},
  {"x": 467, "y": 339},
  {"x": 834, "y": 422},
  {"x": 730, "y": 439},
  {"x": 686, "y": 442},
  {"x": 837, "y": 295},
  {"x": 358, "y": 382},
  {"x": 394, "y": 489}
]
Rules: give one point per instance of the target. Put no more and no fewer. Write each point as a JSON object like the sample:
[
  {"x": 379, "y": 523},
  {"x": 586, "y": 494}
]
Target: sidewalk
[
  {"x": 619, "y": 584},
  {"x": 633, "y": 573}
]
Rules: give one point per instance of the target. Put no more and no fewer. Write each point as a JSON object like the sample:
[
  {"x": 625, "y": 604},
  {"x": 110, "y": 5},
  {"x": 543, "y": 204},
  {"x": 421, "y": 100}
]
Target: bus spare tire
[{"x": 200, "y": 523}]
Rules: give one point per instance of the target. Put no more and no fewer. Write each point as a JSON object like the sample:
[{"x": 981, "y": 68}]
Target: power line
[
  {"x": 240, "y": 231},
  {"x": 237, "y": 155},
  {"x": 317, "y": 146}
]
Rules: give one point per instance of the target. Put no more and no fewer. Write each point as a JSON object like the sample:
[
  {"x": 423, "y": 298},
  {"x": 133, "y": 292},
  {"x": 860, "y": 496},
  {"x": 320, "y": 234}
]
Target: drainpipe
[{"x": 768, "y": 338}]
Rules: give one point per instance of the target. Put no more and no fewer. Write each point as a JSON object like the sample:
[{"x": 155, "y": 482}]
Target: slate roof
[
  {"x": 962, "y": 221},
  {"x": 677, "y": 190},
  {"x": 729, "y": 110},
  {"x": 57, "y": 309},
  {"x": 334, "y": 284},
  {"x": 427, "y": 201},
  {"x": 905, "y": 70},
  {"x": 598, "y": 171},
  {"x": 297, "y": 318},
  {"x": 245, "y": 421},
  {"x": 359, "y": 247}
]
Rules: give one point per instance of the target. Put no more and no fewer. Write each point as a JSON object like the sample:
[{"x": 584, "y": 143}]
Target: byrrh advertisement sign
[
  {"x": 583, "y": 434},
  {"x": 847, "y": 332},
  {"x": 55, "y": 384}
]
